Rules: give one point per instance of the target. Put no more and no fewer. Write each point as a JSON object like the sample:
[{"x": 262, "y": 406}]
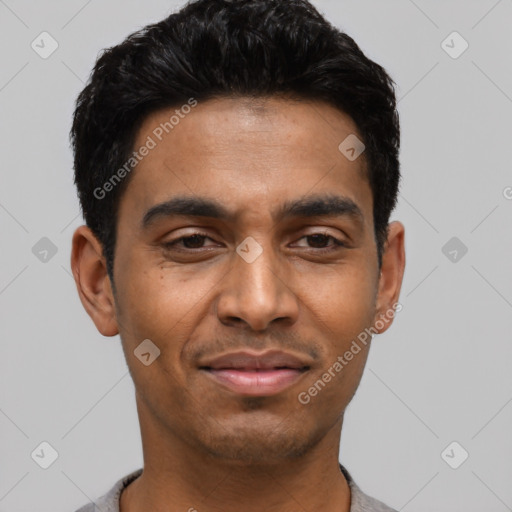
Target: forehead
[{"x": 252, "y": 154}]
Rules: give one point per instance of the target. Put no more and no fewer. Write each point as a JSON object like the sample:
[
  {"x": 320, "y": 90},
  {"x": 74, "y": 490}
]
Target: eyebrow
[{"x": 312, "y": 206}]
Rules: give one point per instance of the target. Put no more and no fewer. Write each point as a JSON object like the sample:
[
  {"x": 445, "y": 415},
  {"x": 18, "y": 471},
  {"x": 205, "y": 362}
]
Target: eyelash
[{"x": 172, "y": 244}]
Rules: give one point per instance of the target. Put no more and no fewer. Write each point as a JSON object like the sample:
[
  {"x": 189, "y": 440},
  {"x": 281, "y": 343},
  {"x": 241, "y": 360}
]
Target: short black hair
[{"x": 220, "y": 48}]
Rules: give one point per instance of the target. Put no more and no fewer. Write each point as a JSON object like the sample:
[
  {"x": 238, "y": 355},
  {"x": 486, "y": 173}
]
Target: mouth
[{"x": 250, "y": 374}]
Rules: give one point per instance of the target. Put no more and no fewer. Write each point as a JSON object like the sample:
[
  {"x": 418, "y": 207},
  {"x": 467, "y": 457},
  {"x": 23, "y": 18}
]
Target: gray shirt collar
[{"x": 360, "y": 502}]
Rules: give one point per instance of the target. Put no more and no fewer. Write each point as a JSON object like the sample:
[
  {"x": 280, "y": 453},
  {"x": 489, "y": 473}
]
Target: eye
[
  {"x": 193, "y": 241},
  {"x": 319, "y": 241}
]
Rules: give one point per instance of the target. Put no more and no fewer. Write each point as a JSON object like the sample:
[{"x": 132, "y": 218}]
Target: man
[{"x": 237, "y": 165}]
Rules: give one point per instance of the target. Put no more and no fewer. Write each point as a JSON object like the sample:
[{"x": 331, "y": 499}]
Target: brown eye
[
  {"x": 194, "y": 241},
  {"x": 320, "y": 241}
]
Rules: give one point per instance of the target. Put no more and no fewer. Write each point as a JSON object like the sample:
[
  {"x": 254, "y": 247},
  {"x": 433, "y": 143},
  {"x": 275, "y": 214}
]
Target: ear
[
  {"x": 93, "y": 284},
  {"x": 390, "y": 281}
]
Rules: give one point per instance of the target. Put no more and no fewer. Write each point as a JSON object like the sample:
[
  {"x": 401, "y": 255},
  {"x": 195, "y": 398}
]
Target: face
[{"x": 244, "y": 229}]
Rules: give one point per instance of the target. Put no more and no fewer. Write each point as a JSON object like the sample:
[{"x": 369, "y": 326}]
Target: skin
[{"x": 207, "y": 448}]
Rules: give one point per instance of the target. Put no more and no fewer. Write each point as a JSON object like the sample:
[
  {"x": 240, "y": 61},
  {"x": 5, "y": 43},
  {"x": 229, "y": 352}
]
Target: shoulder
[
  {"x": 361, "y": 502},
  {"x": 109, "y": 502},
  {"x": 87, "y": 508}
]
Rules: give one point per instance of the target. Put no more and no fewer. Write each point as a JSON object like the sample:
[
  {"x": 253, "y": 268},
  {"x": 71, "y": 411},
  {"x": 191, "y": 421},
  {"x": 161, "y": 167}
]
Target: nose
[{"x": 255, "y": 294}]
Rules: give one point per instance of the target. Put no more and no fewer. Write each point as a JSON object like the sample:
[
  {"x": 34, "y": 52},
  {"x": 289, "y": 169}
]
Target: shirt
[{"x": 360, "y": 502}]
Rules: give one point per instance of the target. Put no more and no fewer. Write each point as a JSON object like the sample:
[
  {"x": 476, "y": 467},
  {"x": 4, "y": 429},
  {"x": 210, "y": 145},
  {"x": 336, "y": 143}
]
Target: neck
[{"x": 181, "y": 477}]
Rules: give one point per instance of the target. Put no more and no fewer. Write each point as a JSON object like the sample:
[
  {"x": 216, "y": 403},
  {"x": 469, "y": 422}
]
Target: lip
[{"x": 252, "y": 374}]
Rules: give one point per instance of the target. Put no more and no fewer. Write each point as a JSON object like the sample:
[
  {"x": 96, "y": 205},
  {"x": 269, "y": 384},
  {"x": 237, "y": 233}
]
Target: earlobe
[
  {"x": 391, "y": 276},
  {"x": 93, "y": 284}
]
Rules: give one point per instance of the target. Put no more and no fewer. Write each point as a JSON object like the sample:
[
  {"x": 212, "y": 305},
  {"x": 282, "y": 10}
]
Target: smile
[{"x": 256, "y": 382}]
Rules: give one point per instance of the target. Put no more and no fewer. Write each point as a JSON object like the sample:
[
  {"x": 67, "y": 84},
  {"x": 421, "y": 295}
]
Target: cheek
[
  {"x": 158, "y": 302},
  {"x": 152, "y": 306},
  {"x": 344, "y": 304},
  {"x": 139, "y": 285}
]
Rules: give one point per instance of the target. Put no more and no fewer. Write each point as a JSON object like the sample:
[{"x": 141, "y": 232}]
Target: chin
[{"x": 257, "y": 443}]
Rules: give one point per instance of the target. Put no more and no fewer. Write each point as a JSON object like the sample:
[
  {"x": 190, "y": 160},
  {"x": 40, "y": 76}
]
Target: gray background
[{"x": 440, "y": 374}]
